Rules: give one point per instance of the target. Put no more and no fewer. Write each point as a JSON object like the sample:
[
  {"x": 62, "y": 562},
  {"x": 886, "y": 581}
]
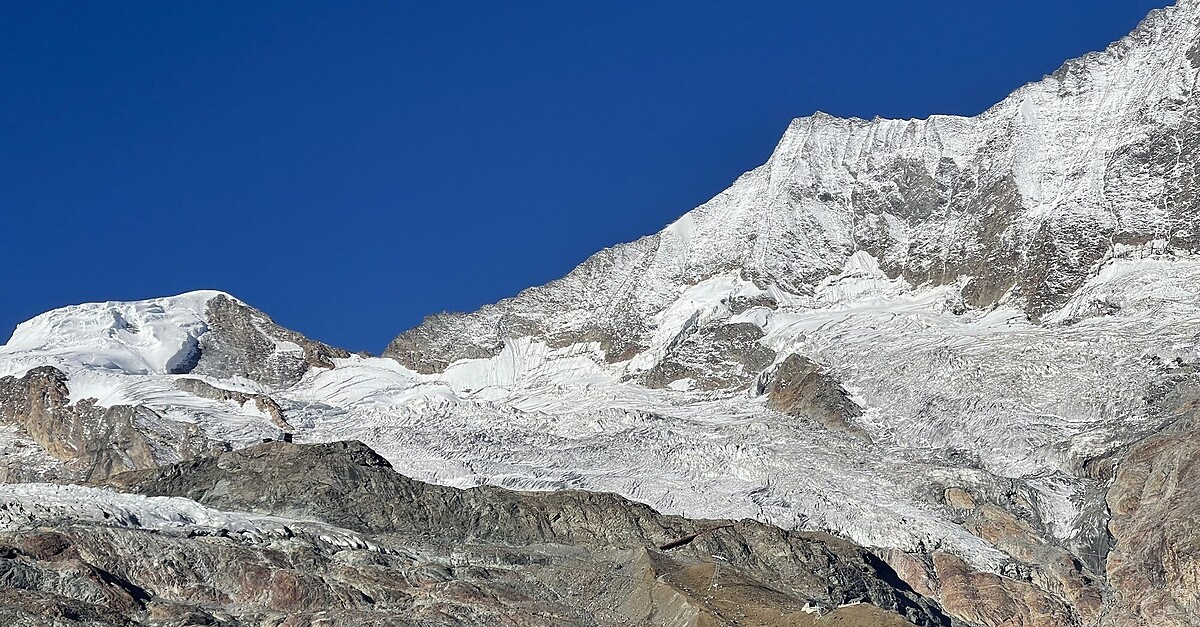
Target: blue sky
[{"x": 350, "y": 167}]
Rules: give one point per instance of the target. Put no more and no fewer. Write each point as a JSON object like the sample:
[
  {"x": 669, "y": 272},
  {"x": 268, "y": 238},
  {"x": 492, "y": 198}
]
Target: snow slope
[
  {"x": 146, "y": 337},
  {"x": 950, "y": 398}
]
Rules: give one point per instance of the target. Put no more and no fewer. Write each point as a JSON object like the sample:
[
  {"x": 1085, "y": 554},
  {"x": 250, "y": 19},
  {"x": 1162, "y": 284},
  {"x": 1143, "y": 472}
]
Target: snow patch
[{"x": 26, "y": 504}]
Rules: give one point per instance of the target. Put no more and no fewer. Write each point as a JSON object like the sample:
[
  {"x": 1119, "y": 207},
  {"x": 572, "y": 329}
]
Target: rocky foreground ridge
[
  {"x": 393, "y": 551},
  {"x": 948, "y": 367}
]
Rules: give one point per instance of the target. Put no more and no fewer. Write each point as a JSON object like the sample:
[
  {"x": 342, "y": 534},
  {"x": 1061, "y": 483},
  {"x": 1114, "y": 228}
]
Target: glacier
[{"x": 1007, "y": 301}]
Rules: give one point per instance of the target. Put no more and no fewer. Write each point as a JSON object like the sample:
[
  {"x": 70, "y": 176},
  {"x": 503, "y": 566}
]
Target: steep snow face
[
  {"x": 157, "y": 336},
  {"x": 1015, "y": 206}
]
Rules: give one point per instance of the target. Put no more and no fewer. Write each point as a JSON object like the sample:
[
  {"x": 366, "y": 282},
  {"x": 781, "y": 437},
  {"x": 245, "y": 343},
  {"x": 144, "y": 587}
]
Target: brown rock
[
  {"x": 800, "y": 388},
  {"x": 914, "y": 570},
  {"x": 1050, "y": 568},
  {"x": 94, "y": 441},
  {"x": 1154, "y": 566},
  {"x": 995, "y": 601},
  {"x": 958, "y": 498}
]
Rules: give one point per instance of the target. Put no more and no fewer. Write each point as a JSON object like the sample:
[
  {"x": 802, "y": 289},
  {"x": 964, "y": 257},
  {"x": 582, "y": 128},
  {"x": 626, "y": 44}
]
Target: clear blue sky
[{"x": 350, "y": 167}]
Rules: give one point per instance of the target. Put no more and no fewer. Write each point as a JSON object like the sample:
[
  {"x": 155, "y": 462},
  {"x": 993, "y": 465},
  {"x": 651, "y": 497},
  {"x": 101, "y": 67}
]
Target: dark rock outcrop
[{"x": 726, "y": 356}]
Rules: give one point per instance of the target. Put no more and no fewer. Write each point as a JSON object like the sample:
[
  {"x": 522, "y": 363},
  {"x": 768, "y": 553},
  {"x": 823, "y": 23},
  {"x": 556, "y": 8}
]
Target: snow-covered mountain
[
  {"x": 1016, "y": 206},
  {"x": 944, "y": 339}
]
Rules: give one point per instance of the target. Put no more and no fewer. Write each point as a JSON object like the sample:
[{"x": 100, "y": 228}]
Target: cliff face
[
  {"x": 1155, "y": 500},
  {"x": 92, "y": 442}
]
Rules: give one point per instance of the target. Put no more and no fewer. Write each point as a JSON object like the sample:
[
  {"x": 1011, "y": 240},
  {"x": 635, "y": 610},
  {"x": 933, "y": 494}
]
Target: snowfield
[{"x": 950, "y": 399}]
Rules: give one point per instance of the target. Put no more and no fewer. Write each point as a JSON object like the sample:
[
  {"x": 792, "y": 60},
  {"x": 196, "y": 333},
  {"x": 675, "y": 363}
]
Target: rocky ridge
[
  {"x": 1017, "y": 205},
  {"x": 389, "y": 550}
]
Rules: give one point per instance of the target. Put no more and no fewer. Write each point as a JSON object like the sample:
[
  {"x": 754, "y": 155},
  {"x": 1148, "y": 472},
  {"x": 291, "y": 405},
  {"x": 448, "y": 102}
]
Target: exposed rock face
[
  {"x": 800, "y": 388},
  {"x": 349, "y": 485},
  {"x": 95, "y": 575},
  {"x": 94, "y": 441},
  {"x": 1067, "y": 592},
  {"x": 1154, "y": 567},
  {"x": 430, "y": 556},
  {"x": 427, "y": 348},
  {"x": 727, "y": 356},
  {"x": 242, "y": 341},
  {"x": 997, "y": 601},
  {"x": 959, "y": 499}
]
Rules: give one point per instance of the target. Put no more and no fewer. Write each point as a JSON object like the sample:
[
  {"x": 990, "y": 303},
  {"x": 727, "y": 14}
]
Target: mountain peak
[
  {"x": 1016, "y": 206},
  {"x": 205, "y": 331},
  {"x": 147, "y": 336},
  {"x": 970, "y": 343}
]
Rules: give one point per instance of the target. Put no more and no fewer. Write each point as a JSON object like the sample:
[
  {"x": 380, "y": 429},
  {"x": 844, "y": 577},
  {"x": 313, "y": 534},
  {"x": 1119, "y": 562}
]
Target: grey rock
[
  {"x": 726, "y": 356},
  {"x": 243, "y": 341}
]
